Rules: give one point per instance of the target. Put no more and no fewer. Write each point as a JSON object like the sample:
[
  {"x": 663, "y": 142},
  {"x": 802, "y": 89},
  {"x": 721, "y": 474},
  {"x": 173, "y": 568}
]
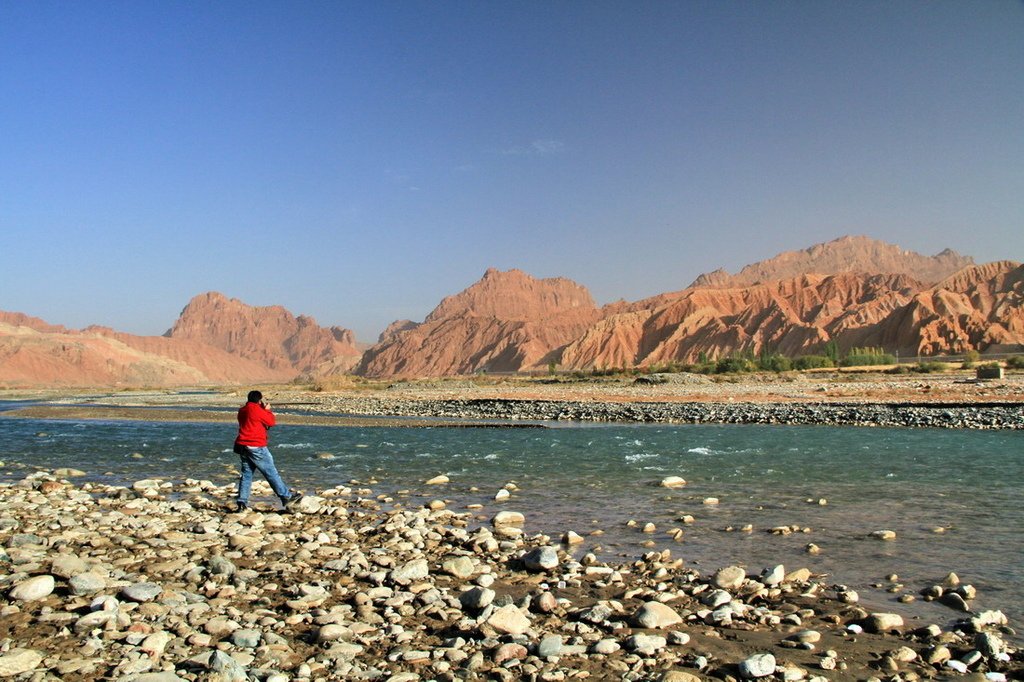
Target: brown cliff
[
  {"x": 506, "y": 322},
  {"x": 269, "y": 335},
  {"x": 978, "y": 308},
  {"x": 793, "y": 316}
]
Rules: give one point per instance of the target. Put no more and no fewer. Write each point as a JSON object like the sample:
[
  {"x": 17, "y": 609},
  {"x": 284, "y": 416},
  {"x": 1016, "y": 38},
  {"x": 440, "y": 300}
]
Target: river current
[{"x": 840, "y": 484}]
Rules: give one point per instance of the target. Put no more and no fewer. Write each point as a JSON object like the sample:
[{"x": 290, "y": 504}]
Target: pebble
[
  {"x": 758, "y": 665},
  {"x": 32, "y": 589},
  {"x": 730, "y": 577},
  {"x": 646, "y": 645},
  {"x": 19, "y": 661},
  {"x": 86, "y": 583},
  {"x": 476, "y": 598},
  {"x": 551, "y": 645},
  {"x": 509, "y": 620},
  {"x": 654, "y": 615},
  {"x": 141, "y": 592},
  {"x": 541, "y": 559},
  {"x": 508, "y": 518},
  {"x": 883, "y": 622}
]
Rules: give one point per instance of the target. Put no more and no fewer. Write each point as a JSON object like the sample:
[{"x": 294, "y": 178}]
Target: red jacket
[{"x": 253, "y": 422}]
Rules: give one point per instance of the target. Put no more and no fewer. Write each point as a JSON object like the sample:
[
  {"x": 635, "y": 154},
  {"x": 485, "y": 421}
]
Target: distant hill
[
  {"x": 846, "y": 254},
  {"x": 506, "y": 322},
  {"x": 269, "y": 335},
  {"x": 854, "y": 291}
]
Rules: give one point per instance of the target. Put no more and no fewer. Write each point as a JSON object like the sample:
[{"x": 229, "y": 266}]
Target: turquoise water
[{"x": 584, "y": 478}]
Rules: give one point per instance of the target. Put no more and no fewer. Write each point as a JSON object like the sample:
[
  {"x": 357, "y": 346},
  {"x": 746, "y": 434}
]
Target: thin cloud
[{"x": 536, "y": 148}]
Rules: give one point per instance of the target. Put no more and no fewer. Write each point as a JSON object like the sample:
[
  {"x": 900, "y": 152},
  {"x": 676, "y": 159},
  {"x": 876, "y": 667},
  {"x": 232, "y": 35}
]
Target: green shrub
[
  {"x": 773, "y": 362},
  {"x": 928, "y": 367},
  {"x": 733, "y": 365},
  {"x": 813, "y": 362},
  {"x": 867, "y": 356},
  {"x": 1016, "y": 362}
]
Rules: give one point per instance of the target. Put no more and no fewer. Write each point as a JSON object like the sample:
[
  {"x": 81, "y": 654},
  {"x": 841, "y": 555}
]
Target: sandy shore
[{"x": 156, "y": 582}]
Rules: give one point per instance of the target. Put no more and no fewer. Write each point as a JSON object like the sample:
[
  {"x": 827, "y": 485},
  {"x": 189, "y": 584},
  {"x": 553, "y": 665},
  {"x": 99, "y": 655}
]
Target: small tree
[{"x": 831, "y": 351}]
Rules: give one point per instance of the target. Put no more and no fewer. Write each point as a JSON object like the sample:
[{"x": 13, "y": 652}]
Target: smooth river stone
[
  {"x": 730, "y": 577},
  {"x": 508, "y": 518},
  {"x": 142, "y": 592},
  {"x": 19, "y": 661},
  {"x": 458, "y": 567},
  {"x": 68, "y": 565},
  {"x": 86, "y": 583},
  {"x": 541, "y": 559},
  {"x": 37, "y": 587},
  {"x": 883, "y": 622},
  {"x": 758, "y": 665},
  {"x": 646, "y": 645},
  {"x": 509, "y": 620},
  {"x": 414, "y": 570},
  {"x": 656, "y": 616},
  {"x": 476, "y": 598}
]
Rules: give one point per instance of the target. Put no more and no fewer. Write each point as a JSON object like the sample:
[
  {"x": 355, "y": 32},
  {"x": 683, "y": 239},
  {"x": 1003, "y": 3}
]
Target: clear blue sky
[{"x": 358, "y": 162}]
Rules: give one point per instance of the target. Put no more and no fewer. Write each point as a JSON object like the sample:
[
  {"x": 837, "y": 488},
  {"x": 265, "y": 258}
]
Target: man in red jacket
[{"x": 254, "y": 418}]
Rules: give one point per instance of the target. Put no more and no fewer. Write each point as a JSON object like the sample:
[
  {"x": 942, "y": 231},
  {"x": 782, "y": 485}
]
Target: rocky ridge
[
  {"x": 269, "y": 335},
  {"x": 845, "y": 254},
  {"x": 854, "y": 291},
  {"x": 506, "y": 322}
]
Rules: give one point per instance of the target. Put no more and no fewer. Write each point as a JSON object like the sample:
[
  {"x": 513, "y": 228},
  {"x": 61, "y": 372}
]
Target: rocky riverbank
[
  {"x": 155, "y": 582},
  {"x": 942, "y": 415}
]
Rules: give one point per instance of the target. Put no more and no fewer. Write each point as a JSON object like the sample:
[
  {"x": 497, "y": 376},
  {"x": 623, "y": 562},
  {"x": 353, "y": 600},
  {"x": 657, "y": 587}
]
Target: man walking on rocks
[{"x": 254, "y": 418}]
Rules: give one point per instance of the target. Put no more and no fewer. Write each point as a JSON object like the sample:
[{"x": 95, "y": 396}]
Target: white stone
[
  {"x": 758, "y": 665},
  {"x": 19, "y": 661},
  {"x": 656, "y": 616},
  {"x": 509, "y": 620},
  {"x": 36, "y": 587},
  {"x": 508, "y": 518}
]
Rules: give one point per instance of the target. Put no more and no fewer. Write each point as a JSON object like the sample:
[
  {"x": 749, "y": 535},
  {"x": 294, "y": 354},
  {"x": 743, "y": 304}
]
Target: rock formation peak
[
  {"x": 270, "y": 335},
  {"x": 845, "y": 254}
]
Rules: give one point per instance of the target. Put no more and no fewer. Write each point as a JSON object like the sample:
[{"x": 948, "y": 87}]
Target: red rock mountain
[
  {"x": 853, "y": 290},
  {"x": 215, "y": 341},
  {"x": 506, "y": 322},
  {"x": 846, "y": 254},
  {"x": 269, "y": 335},
  {"x": 981, "y": 307},
  {"x": 33, "y": 353}
]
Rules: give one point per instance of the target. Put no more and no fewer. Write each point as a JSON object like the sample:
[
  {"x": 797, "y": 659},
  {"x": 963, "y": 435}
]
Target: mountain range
[{"x": 855, "y": 291}]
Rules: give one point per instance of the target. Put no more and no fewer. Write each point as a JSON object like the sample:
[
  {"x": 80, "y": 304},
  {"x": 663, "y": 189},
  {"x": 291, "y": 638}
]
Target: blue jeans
[{"x": 258, "y": 459}]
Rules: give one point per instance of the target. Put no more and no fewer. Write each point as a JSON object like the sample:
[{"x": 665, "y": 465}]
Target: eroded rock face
[
  {"x": 269, "y": 334},
  {"x": 980, "y": 307},
  {"x": 845, "y": 254},
  {"x": 506, "y": 322},
  {"x": 854, "y": 290},
  {"x": 47, "y": 355},
  {"x": 792, "y": 316}
]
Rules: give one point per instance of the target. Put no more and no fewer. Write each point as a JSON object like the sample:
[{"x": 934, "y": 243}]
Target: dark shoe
[
  {"x": 291, "y": 499},
  {"x": 241, "y": 507}
]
